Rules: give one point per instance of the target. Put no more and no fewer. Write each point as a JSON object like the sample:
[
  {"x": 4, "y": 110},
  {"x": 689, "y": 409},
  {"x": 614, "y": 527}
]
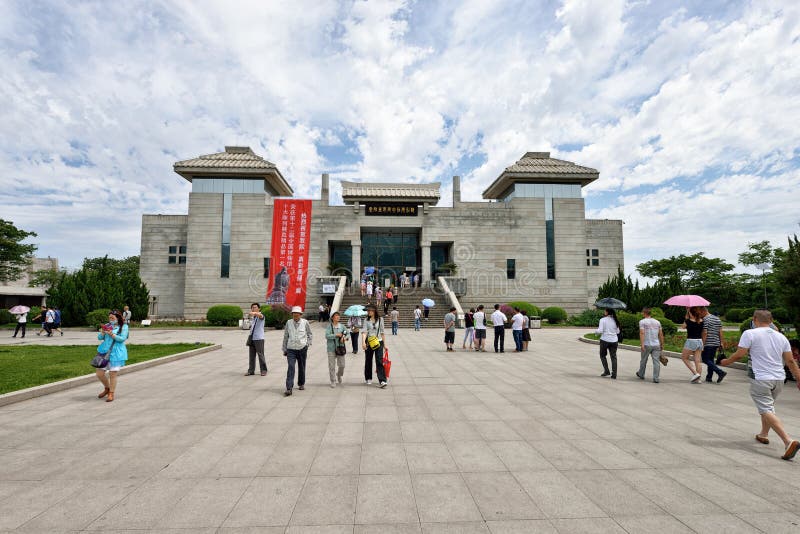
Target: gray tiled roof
[
  {"x": 390, "y": 191},
  {"x": 535, "y": 162},
  {"x": 539, "y": 167},
  {"x": 234, "y": 157}
]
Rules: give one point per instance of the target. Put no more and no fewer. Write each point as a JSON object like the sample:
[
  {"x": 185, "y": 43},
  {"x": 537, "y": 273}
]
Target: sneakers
[
  {"x": 722, "y": 376},
  {"x": 333, "y": 384},
  {"x": 695, "y": 379},
  {"x": 791, "y": 450},
  {"x": 655, "y": 381},
  {"x": 287, "y": 393},
  {"x": 606, "y": 374},
  {"x": 301, "y": 387},
  {"x": 368, "y": 382},
  {"x": 382, "y": 385}
]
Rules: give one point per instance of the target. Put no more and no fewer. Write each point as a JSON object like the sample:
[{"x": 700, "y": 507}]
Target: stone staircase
[{"x": 407, "y": 300}]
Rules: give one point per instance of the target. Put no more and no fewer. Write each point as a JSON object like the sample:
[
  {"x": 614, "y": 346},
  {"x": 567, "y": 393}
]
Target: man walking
[
  {"x": 417, "y": 318},
  {"x": 395, "y": 320},
  {"x": 769, "y": 352},
  {"x": 49, "y": 321},
  {"x": 499, "y": 321},
  {"x": 517, "y": 322},
  {"x": 296, "y": 341},
  {"x": 712, "y": 342},
  {"x": 480, "y": 329},
  {"x": 450, "y": 329},
  {"x": 651, "y": 341},
  {"x": 256, "y": 341}
]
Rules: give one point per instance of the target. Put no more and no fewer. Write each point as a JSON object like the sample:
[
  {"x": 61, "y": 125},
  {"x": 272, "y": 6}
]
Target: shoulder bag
[
  {"x": 339, "y": 348},
  {"x": 249, "y": 342},
  {"x": 100, "y": 361}
]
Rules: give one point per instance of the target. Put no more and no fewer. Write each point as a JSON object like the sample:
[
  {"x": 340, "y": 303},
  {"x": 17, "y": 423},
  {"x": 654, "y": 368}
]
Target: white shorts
[{"x": 113, "y": 368}]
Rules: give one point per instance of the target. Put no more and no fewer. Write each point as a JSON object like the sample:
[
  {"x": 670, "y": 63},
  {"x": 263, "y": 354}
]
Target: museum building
[{"x": 528, "y": 240}]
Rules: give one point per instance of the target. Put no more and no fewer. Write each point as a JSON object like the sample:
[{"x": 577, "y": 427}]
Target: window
[
  {"x": 225, "y": 248},
  {"x": 177, "y": 255},
  {"x": 511, "y": 268},
  {"x": 588, "y": 261},
  {"x": 266, "y": 267},
  {"x": 595, "y": 252},
  {"x": 595, "y": 262},
  {"x": 550, "y": 238}
]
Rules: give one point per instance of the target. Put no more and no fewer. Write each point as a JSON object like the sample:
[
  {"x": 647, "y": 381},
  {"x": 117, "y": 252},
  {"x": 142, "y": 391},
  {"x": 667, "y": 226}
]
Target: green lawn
[{"x": 33, "y": 365}]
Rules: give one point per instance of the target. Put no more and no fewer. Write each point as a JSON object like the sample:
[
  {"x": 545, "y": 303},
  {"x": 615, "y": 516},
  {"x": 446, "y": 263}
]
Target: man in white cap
[{"x": 296, "y": 340}]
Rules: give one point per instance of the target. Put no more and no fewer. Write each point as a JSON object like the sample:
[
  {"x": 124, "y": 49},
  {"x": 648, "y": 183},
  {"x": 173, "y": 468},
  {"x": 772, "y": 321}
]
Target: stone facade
[{"x": 480, "y": 238}]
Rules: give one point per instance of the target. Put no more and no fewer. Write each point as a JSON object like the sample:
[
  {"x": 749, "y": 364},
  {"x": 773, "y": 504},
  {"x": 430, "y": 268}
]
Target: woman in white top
[{"x": 609, "y": 338}]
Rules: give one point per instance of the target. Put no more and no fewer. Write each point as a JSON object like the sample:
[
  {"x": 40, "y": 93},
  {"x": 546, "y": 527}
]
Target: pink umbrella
[
  {"x": 687, "y": 300},
  {"x": 19, "y": 309}
]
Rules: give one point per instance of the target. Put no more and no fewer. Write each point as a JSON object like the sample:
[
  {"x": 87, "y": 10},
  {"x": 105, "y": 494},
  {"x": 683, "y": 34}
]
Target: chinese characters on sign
[
  {"x": 391, "y": 209},
  {"x": 291, "y": 229}
]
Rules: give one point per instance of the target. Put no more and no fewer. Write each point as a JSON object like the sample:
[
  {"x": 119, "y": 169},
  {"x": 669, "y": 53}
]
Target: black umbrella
[{"x": 612, "y": 303}]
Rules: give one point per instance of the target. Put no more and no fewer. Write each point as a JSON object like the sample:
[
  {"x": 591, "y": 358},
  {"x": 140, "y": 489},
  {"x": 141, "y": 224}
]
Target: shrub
[
  {"x": 586, "y": 318},
  {"x": 275, "y": 316},
  {"x": 629, "y": 324},
  {"x": 554, "y": 314},
  {"x": 526, "y": 307},
  {"x": 224, "y": 315},
  {"x": 657, "y": 312},
  {"x": 734, "y": 315},
  {"x": 97, "y": 317},
  {"x": 782, "y": 315},
  {"x": 747, "y": 313},
  {"x": 746, "y": 325},
  {"x": 7, "y": 317}
]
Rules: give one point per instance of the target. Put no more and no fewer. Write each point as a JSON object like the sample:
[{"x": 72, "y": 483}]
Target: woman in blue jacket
[{"x": 113, "y": 336}]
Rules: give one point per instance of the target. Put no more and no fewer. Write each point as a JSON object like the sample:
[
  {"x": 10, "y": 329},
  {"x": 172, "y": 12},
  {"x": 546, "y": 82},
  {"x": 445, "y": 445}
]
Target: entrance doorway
[{"x": 391, "y": 251}]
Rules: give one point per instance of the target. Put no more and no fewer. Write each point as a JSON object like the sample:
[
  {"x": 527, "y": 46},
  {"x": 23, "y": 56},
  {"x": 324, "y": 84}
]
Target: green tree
[
  {"x": 693, "y": 270},
  {"x": 786, "y": 271},
  {"x": 760, "y": 253},
  {"x": 14, "y": 256}
]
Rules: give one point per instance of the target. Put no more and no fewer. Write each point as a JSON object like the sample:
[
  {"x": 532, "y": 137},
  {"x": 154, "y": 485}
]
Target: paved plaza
[{"x": 459, "y": 442}]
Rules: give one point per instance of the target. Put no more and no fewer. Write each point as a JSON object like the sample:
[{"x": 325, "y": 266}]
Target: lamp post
[{"x": 764, "y": 267}]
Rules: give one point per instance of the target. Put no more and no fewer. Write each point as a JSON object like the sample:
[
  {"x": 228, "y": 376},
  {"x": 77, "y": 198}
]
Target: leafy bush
[
  {"x": 657, "y": 312},
  {"x": 275, "y": 316},
  {"x": 586, "y": 318},
  {"x": 734, "y": 315},
  {"x": 526, "y": 307},
  {"x": 97, "y": 317},
  {"x": 224, "y": 315},
  {"x": 747, "y": 313},
  {"x": 746, "y": 325},
  {"x": 629, "y": 324},
  {"x": 782, "y": 315},
  {"x": 6, "y": 317},
  {"x": 554, "y": 314}
]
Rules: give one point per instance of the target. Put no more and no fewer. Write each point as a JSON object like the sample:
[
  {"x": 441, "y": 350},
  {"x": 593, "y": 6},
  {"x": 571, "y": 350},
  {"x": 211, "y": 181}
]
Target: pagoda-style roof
[
  {"x": 235, "y": 162},
  {"x": 383, "y": 191},
  {"x": 539, "y": 167}
]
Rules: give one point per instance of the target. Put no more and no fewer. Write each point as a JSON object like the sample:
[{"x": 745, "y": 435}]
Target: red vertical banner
[{"x": 288, "y": 261}]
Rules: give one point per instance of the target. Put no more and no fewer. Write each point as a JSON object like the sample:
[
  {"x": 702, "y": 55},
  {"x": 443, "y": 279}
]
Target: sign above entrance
[{"x": 391, "y": 209}]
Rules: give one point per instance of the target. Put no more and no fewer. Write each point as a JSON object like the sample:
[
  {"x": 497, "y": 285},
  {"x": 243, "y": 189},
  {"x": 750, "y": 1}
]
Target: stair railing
[
  {"x": 443, "y": 285},
  {"x": 337, "y": 297}
]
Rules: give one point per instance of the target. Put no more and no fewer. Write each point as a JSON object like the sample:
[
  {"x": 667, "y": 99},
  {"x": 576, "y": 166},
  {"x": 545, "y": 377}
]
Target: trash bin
[
  {"x": 536, "y": 321},
  {"x": 244, "y": 324}
]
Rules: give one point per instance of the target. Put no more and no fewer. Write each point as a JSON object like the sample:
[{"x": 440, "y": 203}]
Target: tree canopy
[{"x": 14, "y": 256}]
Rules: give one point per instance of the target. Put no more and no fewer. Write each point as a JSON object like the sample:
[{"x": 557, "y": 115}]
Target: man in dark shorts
[
  {"x": 480, "y": 329},
  {"x": 450, "y": 329}
]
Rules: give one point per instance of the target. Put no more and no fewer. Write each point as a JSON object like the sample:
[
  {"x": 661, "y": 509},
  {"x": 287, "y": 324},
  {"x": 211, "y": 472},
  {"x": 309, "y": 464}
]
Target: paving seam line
[
  {"x": 667, "y": 353},
  {"x": 62, "y": 385}
]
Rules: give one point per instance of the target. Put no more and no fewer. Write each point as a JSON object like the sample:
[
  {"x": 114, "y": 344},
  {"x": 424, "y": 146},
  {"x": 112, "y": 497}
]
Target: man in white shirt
[
  {"x": 480, "y": 329},
  {"x": 22, "y": 323},
  {"x": 517, "y": 322},
  {"x": 417, "y": 318},
  {"x": 499, "y": 321},
  {"x": 651, "y": 340},
  {"x": 296, "y": 341},
  {"x": 769, "y": 352}
]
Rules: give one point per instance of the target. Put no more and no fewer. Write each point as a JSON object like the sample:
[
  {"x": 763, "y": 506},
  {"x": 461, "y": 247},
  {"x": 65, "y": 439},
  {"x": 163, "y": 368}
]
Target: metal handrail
[{"x": 453, "y": 300}]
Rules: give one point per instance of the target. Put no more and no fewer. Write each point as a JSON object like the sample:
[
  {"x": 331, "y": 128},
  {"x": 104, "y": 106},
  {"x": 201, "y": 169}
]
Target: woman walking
[
  {"x": 694, "y": 344},
  {"x": 354, "y": 324},
  {"x": 373, "y": 344},
  {"x": 113, "y": 336},
  {"x": 370, "y": 287},
  {"x": 256, "y": 341},
  {"x": 469, "y": 329},
  {"x": 609, "y": 339},
  {"x": 335, "y": 334},
  {"x": 526, "y": 330}
]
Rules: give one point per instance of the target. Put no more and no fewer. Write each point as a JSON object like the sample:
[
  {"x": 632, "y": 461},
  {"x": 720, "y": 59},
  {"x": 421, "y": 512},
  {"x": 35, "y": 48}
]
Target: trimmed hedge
[
  {"x": 734, "y": 315},
  {"x": 554, "y": 315},
  {"x": 224, "y": 315},
  {"x": 629, "y": 324},
  {"x": 782, "y": 314},
  {"x": 275, "y": 316},
  {"x": 6, "y": 317},
  {"x": 95, "y": 318},
  {"x": 746, "y": 325},
  {"x": 531, "y": 309},
  {"x": 588, "y": 317}
]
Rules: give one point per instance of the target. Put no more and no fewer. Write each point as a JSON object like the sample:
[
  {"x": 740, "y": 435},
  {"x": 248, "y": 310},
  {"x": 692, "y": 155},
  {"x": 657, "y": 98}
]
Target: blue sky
[{"x": 687, "y": 109}]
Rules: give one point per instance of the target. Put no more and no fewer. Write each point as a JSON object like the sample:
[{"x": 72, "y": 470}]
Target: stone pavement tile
[
  {"x": 443, "y": 498},
  {"x": 337, "y": 460},
  {"x": 509, "y": 412},
  {"x": 647, "y": 524},
  {"x": 214, "y": 416},
  {"x": 650, "y": 453},
  {"x": 429, "y": 458},
  {"x": 32, "y": 500},
  {"x": 717, "y": 524},
  {"x": 563, "y": 455},
  {"x": 519, "y": 456},
  {"x": 568, "y": 430},
  {"x": 496, "y": 431},
  {"x": 602, "y": 429},
  {"x": 290, "y": 460},
  {"x": 341, "y": 433},
  {"x": 611, "y": 494},
  {"x": 305, "y": 433},
  {"x": 746, "y": 451},
  {"x": 587, "y": 526},
  {"x": 383, "y": 432},
  {"x": 145, "y": 505},
  {"x": 416, "y": 412},
  {"x": 267, "y": 501},
  {"x": 376, "y": 414},
  {"x": 265, "y": 433},
  {"x": 478, "y": 412},
  {"x": 81, "y": 507},
  {"x": 522, "y": 526},
  {"x": 499, "y": 496},
  {"x": 354, "y": 414},
  {"x": 667, "y": 493},
  {"x": 457, "y": 431},
  {"x": 533, "y": 430},
  {"x": 326, "y": 500},
  {"x": 248, "y": 530},
  {"x": 607, "y": 454},
  {"x": 284, "y": 413},
  {"x": 383, "y": 459},
  {"x": 420, "y": 431},
  {"x": 455, "y": 528},
  {"x": 729, "y": 496},
  {"x": 242, "y": 461},
  {"x": 385, "y": 499},
  {"x": 557, "y": 496},
  {"x": 445, "y": 412},
  {"x": 475, "y": 456},
  {"x": 397, "y": 528},
  {"x": 697, "y": 455},
  {"x": 207, "y": 504},
  {"x": 316, "y": 414},
  {"x": 184, "y": 435},
  {"x": 777, "y": 523},
  {"x": 779, "y": 470},
  {"x": 320, "y": 529}
]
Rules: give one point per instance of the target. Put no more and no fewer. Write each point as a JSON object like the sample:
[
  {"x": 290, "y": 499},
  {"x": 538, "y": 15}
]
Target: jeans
[
  {"x": 20, "y": 326},
  {"x": 394, "y": 328},
  {"x": 299, "y": 356},
  {"x": 517, "y": 339},
  {"x": 607, "y": 346},
  {"x": 708, "y": 355},
  {"x": 653, "y": 352},
  {"x": 469, "y": 334},
  {"x": 417, "y": 323},
  {"x": 257, "y": 348},
  {"x": 354, "y": 337},
  {"x": 499, "y": 337},
  {"x": 378, "y": 355}
]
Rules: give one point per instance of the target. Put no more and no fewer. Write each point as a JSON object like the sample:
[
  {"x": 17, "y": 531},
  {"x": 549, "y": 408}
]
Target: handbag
[
  {"x": 339, "y": 349},
  {"x": 387, "y": 363},
  {"x": 373, "y": 342},
  {"x": 100, "y": 361}
]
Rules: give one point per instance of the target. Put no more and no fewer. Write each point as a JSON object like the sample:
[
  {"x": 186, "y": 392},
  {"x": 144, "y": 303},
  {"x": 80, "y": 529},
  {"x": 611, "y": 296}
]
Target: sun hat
[{"x": 297, "y": 309}]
